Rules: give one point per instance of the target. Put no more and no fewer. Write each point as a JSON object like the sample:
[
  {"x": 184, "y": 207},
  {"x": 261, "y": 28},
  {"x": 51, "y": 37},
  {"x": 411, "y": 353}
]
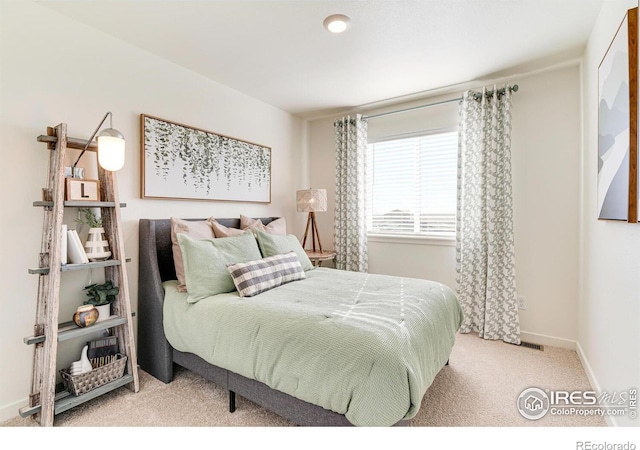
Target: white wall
[
  {"x": 546, "y": 156},
  {"x": 609, "y": 308},
  {"x": 55, "y": 70}
]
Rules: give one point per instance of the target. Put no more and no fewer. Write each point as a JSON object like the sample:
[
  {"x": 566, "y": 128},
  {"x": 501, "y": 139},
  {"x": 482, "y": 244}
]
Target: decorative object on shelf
[
  {"x": 87, "y": 216},
  {"x": 83, "y": 365},
  {"x": 74, "y": 172},
  {"x": 183, "y": 162},
  {"x": 75, "y": 251},
  {"x": 82, "y": 190},
  {"x": 101, "y": 296},
  {"x": 312, "y": 201},
  {"x": 96, "y": 247},
  {"x": 618, "y": 125},
  {"x": 111, "y": 146},
  {"x": 104, "y": 312},
  {"x": 102, "y": 348},
  {"x": 83, "y": 383},
  {"x": 63, "y": 245},
  {"x": 85, "y": 316}
]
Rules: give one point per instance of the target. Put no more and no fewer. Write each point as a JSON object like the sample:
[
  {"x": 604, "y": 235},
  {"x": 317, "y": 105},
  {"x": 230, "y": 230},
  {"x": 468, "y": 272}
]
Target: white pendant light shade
[{"x": 111, "y": 146}]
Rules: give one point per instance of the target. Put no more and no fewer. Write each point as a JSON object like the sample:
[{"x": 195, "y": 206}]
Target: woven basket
[{"x": 83, "y": 383}]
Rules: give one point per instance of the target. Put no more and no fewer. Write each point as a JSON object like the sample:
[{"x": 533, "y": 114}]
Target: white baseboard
[
  {"x": 551, "y": 341},
  {"x": 571, "y": 345},
  {"x": 11, "y": 410},
  {"x": 611, "y": 421}
]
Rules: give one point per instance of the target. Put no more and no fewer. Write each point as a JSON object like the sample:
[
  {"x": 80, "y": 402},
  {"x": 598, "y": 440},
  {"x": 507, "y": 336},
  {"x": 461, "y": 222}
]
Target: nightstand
[{"x": 318, "y": 257}]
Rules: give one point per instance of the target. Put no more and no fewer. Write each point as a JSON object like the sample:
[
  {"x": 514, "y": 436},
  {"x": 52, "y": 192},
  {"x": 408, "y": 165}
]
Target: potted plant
[
  {"x": 101, "y": 296},
  {"x": 96, "y": 247},
  {"x": 89, "y": 217}
]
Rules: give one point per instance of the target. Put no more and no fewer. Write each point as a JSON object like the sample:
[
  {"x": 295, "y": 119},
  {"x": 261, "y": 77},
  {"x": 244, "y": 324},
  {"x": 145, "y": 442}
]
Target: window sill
[{"x": 412, "y": 239}]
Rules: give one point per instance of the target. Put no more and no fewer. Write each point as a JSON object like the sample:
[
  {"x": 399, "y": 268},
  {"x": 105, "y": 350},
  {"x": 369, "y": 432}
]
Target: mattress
[{"x": 363, "y": 345}]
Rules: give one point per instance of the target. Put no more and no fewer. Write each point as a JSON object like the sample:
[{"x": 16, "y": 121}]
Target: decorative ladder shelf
[{"x": 44, "y": 402}]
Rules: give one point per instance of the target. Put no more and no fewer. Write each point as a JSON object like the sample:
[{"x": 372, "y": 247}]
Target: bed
[{"x": 335, "y": 349}]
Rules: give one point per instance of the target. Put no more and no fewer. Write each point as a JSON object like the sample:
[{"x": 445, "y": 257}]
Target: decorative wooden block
[{"x": 78, "y": 189}]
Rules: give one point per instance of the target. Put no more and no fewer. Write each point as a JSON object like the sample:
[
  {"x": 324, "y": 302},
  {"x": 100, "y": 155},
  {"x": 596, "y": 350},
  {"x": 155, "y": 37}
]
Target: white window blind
[{"x": 412, "y": 185}]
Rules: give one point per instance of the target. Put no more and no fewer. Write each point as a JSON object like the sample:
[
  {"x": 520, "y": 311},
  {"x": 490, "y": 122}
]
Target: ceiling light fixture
[{"x": 336, "y": 23}]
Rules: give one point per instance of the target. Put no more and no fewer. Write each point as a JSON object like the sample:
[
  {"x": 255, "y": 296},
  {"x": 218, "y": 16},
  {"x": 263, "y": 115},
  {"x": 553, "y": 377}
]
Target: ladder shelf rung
[
  {"x": 80, "y": 204},
  {"x": 64, "y": 400},
  {"x": 72, "y": 267},
  {"x": 74, "y": 143},
  {"x": 69, "y": 330}
]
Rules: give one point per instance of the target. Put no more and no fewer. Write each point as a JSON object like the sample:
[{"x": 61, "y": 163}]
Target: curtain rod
[{"x": 477, "y": 96}]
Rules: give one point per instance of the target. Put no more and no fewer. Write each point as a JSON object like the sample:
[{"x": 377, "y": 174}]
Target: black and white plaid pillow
[{"x": 254, "y": 277}]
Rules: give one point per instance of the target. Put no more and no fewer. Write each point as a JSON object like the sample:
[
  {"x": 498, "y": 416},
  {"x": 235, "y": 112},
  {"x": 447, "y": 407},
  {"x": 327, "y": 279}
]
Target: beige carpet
[{"x": 479, "y": 388}]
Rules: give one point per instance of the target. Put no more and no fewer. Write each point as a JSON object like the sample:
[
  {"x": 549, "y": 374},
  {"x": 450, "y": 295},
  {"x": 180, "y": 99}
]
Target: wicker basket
[{"x": 83, "y": 383}]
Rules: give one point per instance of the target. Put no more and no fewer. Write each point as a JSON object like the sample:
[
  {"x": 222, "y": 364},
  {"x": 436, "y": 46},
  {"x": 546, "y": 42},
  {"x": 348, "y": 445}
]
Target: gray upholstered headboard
[
  {"x": 155, "y": 234},
  {"x": 155, "y": 267}
]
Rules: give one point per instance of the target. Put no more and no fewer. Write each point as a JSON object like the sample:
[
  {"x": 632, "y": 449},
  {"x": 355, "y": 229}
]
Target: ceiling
[{"x": 277, "y": 51}]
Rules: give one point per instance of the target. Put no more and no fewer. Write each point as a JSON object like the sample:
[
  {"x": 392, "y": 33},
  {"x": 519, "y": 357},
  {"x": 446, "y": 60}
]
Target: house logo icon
[{"x": 533, "y": 403}]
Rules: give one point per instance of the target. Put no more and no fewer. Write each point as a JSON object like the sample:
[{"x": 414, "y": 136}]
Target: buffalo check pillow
[{"x": 253, "y": 277}]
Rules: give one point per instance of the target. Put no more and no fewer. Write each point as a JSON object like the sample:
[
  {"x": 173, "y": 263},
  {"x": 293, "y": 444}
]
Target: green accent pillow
[
  {"x": 205, "y": 262},
  {"x": 273, "y": 244}
]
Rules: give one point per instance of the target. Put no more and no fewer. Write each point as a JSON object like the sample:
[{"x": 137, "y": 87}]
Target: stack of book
[{"x": 75, "y": 250}]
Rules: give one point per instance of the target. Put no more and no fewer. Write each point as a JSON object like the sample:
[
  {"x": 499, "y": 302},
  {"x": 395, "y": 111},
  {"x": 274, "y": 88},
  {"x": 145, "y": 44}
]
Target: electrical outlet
[{"x": 522, "y": 302}]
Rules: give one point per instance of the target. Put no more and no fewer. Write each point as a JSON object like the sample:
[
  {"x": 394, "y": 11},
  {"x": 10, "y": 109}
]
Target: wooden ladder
[{"x": 44, "y": 402}]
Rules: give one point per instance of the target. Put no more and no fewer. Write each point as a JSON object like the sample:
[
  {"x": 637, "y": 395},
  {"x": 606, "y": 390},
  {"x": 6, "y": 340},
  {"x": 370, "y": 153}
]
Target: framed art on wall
[
  {"x": 617, "y": 184},
  {"x": 183, "y": 162}
]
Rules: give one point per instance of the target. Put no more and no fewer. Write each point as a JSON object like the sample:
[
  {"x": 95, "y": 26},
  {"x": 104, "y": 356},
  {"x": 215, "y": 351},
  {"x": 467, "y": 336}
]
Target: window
[{"x": 412, "y": 185}]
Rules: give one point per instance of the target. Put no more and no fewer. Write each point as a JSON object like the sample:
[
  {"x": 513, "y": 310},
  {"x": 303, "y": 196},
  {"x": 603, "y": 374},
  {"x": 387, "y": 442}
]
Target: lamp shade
[
  {"x": 111, "y": 149},
  {"x": 311, "y": 200}
]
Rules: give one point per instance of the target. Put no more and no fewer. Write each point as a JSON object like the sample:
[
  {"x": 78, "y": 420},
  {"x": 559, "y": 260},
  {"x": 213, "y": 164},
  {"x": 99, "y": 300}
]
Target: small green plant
[
  {"x": 101, "y": 294},
  {"x": 89, "y": 217}
]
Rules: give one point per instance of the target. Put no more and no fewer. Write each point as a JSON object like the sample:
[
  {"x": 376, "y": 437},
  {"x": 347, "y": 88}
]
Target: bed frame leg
[{"x": 232, "y": 401}]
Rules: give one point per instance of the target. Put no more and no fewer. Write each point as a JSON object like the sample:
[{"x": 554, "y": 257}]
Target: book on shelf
[
  {"x": 102, "y": 351},
  {"x": 75, "y": 251},
  {"x": 63, "y": 245}
]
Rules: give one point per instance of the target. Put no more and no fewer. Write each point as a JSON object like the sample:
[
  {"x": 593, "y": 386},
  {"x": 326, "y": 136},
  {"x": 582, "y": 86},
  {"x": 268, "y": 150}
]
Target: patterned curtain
[
  {"x": 350, "y": 227},
  {"x": 485, "y": 256}
]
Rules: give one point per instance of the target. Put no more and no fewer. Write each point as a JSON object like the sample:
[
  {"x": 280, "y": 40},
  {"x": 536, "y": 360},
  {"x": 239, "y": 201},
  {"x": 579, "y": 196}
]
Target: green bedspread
[{"x": 366, "y": 346}]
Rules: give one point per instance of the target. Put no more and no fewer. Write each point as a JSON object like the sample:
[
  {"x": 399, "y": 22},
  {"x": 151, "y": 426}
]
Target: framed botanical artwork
[
  {"x": 183, "y": 162},
  {"x": 618, "y": 125}
]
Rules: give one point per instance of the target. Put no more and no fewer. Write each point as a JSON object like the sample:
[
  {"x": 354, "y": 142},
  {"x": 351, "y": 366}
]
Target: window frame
[{"x": 408, "y": 238}]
